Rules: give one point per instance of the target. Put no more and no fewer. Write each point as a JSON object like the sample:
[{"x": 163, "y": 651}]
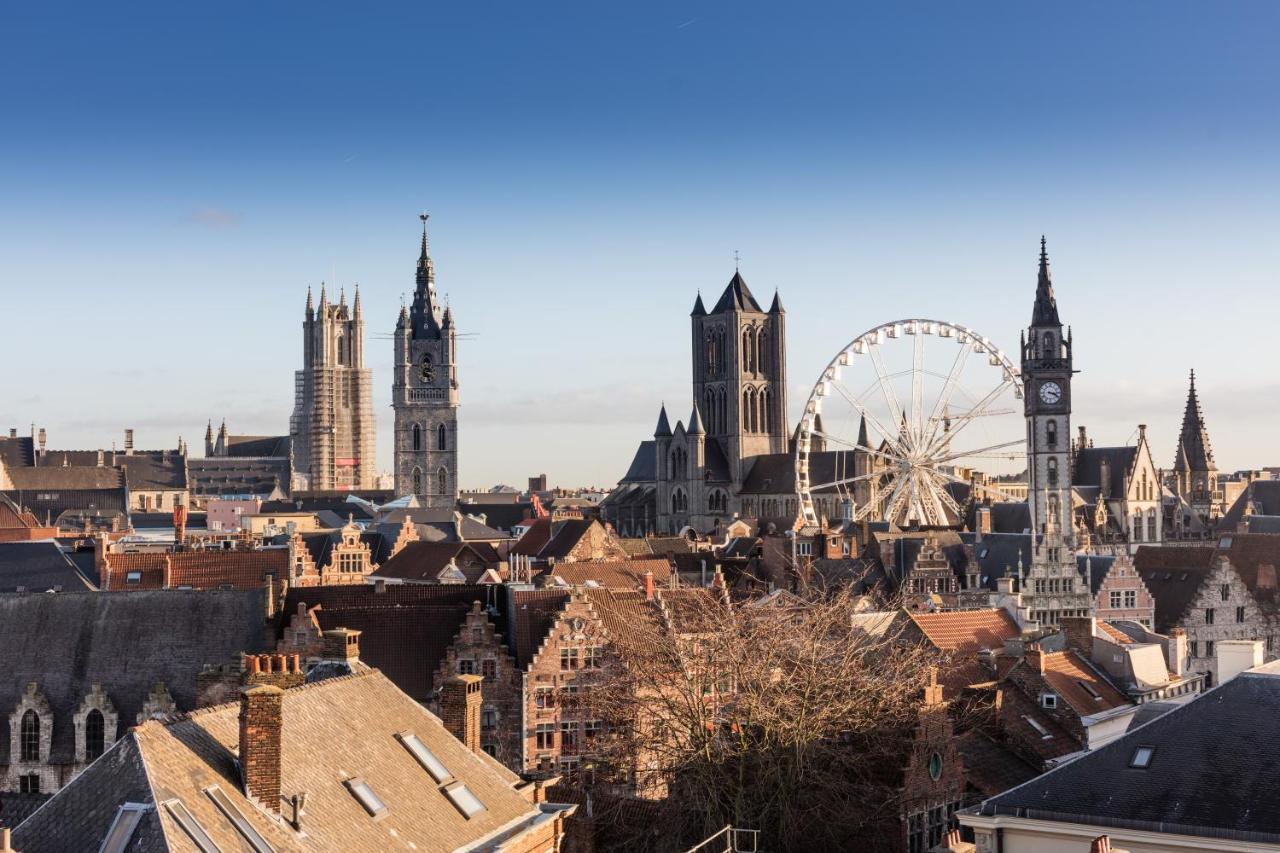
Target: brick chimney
[
  {"x": 983, "y": 522},
  {"x": 1079, "y": 633},
  {"x": 261, "y": 730},
  {"x": 341, "y": 644},
  {"x": 1034, "y": 657},
  {"x": 460, "y": 699},
  {"x": 283, "y": 671},
  {"x": 648, "y": 585},
  {"x": 43, "y": 437}
]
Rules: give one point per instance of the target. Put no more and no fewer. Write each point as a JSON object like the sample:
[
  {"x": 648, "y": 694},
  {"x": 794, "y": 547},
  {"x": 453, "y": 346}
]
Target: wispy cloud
[
  {"x": 214, "y": 217},
  {"x": 688, "y": 23}
]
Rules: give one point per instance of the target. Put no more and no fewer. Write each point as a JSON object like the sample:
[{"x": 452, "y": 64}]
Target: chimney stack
[
  {"x": 261, "y": 729},
  {"x": 42, "y": 438},
  {"x": 460, "y": 700},
  {"x": 341, "y": 644},
  {"x": 648, "y": 585},
  {"x": 1101, "y": 844},
  {"x": 128, "y": 442},
  {"x": 933, "y": 690},
  {"x": 1035, "y": 657},
  {"x": 984, "y": 522}
]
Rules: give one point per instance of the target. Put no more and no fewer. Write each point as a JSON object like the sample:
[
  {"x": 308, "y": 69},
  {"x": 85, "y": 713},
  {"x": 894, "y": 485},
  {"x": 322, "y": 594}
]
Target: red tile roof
[
  {"x": 239, "y": 569},
  {"x": 967, "y": 630},
  {"x": 611, "y": 574},
  {"x": 1067, "y": 673}
]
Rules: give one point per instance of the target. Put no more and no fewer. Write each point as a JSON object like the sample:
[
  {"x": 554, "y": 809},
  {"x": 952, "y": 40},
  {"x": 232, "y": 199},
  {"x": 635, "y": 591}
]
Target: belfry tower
[
  {"x": 425, "y": 393},
  {"x": 1052, "y": 588}
]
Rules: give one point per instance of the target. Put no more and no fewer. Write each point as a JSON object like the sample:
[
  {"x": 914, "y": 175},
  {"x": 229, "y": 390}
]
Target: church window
[
  {"x": 1051, "y": 434},
  {"x": 342, "y": 357},
  {"x": 442, "y": 438},
  {"x": 762, "y": 350},
  {"x": 417, "y": 481},
  {"x": 1151, "y": 525},
  {"x": 442, "y": 482},
  {"x": 94, "y": 735},
  {"x": 1137, "y": 527},
  {"x": 30, "y": 741},
  {"x": 1048, "y": 346},
  {"x": 748, "y": 351},
  {"x": 417, "y": 437},
  {"x": 1053, "y": 471}
]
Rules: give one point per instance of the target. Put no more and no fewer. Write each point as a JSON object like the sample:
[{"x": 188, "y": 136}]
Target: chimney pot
[{"x": 261, "y": 732}]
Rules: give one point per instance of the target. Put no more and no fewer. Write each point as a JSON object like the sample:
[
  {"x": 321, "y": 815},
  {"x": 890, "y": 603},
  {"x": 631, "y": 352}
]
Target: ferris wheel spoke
[
  {"x": 1002, "y": 495},
  {"x": 846, "y": 480},
  {"x": 974, "y": 413},
  {"x": 892, "y": 439},
  {"x": 895, "y": 498},
  {"x": 886, "y": 386},
  {"x": 917, "y": 389},
  {"x": 948, "y": 388},
  {"x": 887, "y": 456},
  {"x": 938, "y": 460},
  {"x": 943, "y": 495}
]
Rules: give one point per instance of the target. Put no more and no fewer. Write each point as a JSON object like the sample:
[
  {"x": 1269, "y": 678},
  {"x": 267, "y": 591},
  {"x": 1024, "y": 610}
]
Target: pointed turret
[
  {"x": 776, "y": 307},
  {"x": 699, "y": 310},
  {"x": 1194, "y": 451},
  {"x": 311, "y": 310},
  {"x": 695, "y": 422},
  {"x": 1045, "y": 312},
  {"x": 208, "y": 439},
  {"x": 737, "y": 297},
  {"x": 324, "y": 299},
  {"x": 863, "y": 439},
  {"x": 355, "y": 306},
  {"x": 663, "y": 429},
  {"x": 426, "y": 304}
]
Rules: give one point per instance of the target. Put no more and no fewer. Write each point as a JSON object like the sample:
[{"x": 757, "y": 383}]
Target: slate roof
[
  {"x": 967, "y": 631},
  {"x": 357, "y": 510},
  {"x": 1045, "y": 312},
  {"x": 1194, "y": 452},
  {"x": 1173, "y": 575},
  {"x": 259, "y": 446},
  {"x": 644, "y": 465},
  {"x": 334, "y": 730},
  {"x": 499, "y": 516},
  {"x": 774, "y": 473},
  {"x": 88, "y": 477},
  {"x": 1188, "y": 788},
  {"x": 1260, "y": 496},
  {"x": 1094, "y": 568},
  {"x": 126, "y": 642},
  {"x": 147, "y": 470},
  {"x": 38, "y": 567},
  {"x": 226, "y": 476},
  {"x": 533, "y": 614},
  {"x": 736, "y": 297},
  {"x": 1088, "y": 467},
  {"x": 445, "y": 525},
  {"x": 423, "y": 561},
  {"x": 998, "y": 555},
  {"x": 17, "y": 451}
]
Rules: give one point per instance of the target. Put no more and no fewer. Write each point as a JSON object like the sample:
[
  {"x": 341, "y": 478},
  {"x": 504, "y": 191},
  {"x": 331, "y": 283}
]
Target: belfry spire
[
  {"x": 1046, "y": 308},
  {"x": 425, "y": 313},
  {"x": 1194, "y": 452}
]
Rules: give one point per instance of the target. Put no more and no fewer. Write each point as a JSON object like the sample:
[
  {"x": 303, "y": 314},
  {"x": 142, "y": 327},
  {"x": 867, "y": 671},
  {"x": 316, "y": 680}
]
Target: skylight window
[
  {"x": 372, "y": 804},
  {"x": 121, "y": 832},
  {"x": 1142, "y": 757},
  {"x": 1090, "y": 689},
  {"x": 179, "y": 812},
  {"x": 133, "y": 577},
  {"x": 1038, "y": 726},
  {"x": 238, "y": 820},
  {"x": 425, "y": 757},
  {"x": 465, "y": 801}
]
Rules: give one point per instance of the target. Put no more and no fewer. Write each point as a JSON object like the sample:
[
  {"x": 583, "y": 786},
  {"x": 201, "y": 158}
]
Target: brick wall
[{"x": 479, "y": 649}]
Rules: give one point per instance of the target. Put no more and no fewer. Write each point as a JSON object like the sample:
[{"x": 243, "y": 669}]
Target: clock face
[
  {"x": 1051, "y": 392},
  {"x": 426, "y": 369}
]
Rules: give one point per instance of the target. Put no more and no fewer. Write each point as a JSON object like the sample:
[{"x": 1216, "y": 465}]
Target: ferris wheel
[{"x": 907, "y": 423}]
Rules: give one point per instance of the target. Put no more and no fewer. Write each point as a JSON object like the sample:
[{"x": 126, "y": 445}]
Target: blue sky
[{"x": 172, "y": 180}]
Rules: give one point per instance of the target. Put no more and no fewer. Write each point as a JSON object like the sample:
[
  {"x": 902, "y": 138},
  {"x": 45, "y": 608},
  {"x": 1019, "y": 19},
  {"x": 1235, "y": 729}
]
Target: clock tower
[
  {"x": 1053, "y": 588},
  {"x": 425, "y": 393}
]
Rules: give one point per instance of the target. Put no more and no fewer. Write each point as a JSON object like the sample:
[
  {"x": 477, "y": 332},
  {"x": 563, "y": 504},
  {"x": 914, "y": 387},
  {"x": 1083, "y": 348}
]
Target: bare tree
[{"x": 789, "y": 718}]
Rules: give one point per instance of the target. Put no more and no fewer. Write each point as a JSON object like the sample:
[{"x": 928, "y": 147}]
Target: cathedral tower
[
  {"x": 740, "y": 375},
  {"x": 425, "y": 393},
  {"x": 332, "y": 426},
  {"x": 1053, "y": 588},
  {"x": 1195, "y": 476}
]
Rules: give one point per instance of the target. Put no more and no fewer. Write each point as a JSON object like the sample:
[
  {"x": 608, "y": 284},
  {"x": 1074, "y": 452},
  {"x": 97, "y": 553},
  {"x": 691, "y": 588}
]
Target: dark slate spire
[
  {"x": 698, "y": 309},
  {"x": 695, "y": 422},
  {"x": 426, "y": 304},
  {"x": 1046, "y": 310},
  {"x": 737, "y": 297},
  {"x": 776, "y": 307},
  {"x": 1194, "y": 452},
  {"x": 863, "y": 439},
  {"x": 663, "y": 430}
]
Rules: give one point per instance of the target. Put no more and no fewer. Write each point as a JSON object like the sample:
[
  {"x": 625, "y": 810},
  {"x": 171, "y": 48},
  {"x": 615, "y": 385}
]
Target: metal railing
[{"x": 729, "y": 840}]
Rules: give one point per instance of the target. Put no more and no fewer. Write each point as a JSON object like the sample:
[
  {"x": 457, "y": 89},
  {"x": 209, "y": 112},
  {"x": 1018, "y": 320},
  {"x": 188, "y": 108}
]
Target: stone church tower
[
  {"x": 425, "y": 393},
  {"x": 332, "y": 428},
  {"x": 740, "y": 375},
  {"x": 1195, "y": 476},
  {"x": 1053, "y": 587}
]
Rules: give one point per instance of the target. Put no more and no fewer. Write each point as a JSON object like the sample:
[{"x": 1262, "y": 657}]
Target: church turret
[
  {"x": 1045, "y": 311},
  {"x": 208, "y": 439},
  {"x": 1195, "y": 474},
  {"x": 776, "y": 307},
  {"x": 663, "y": 429},
  {"x": 699, "y": 310}
]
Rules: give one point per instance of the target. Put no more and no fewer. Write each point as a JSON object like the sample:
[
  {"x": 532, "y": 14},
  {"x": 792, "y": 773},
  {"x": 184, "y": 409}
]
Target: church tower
[
  {"x": 1195, "y": 476},
  {"x": 332, "y": 425},
  {"x": 425, "y": 393},
  {"x": 1053, "y": 588},
  {"x": 740, "y": 375}
]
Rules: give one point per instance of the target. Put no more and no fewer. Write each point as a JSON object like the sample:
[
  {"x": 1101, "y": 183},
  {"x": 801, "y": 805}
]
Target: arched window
[
  {"x": 766, "y": 410},
  {"x": 342, "y": 358},
  {"x": 679, "y": 501},
  {"x": 709, "y": 410},
  {"x": 712, "y": 359},
  {"x": 1053, "y": 471},
  {"x": 762, "y": 351},
  {"x": 1137, "y": 527},
  {"x": 417, "y": 437},
  {"x": 442, "y": 482},
  {"x": 1051, "y": 433},
  {"x": 442, "y": 438},
  {"x": 95, "y": 735},
  {"x": 1151, "y": 525},
  {"x": 417, "y": 481},
  {"x": 748, "y": 351},
  {"x": 30, "y": 736},
  {"x": 1048, "y": 346}
]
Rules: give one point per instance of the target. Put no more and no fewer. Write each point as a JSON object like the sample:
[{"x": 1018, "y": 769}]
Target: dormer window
[{"x": 1049, "y": 700}]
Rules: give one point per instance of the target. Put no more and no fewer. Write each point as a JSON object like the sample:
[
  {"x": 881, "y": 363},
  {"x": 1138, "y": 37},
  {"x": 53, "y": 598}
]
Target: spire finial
[
  {"x": 424, "y": 216},
  {"x": 736, "y": 259}
]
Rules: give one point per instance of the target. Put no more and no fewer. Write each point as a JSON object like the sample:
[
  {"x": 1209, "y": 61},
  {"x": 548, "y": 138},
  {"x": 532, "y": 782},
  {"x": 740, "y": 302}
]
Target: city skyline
[{"x": 180, "y": 220}]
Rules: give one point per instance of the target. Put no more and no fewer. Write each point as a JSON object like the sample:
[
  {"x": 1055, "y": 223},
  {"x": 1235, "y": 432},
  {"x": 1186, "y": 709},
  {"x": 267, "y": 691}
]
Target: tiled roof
[
  {"x": 425, "y": 560},
  {"x": 1067, "y": 673},
  {"x": 992, "y": 767},
  {"x": 126, "y": 642},
  {"x": 613, "y": 574},
  {"x": 1213, "y": 772},
  {"x": 146, "y": 469},
  {"x": 334, "y": 730},
  {"x": 533, "y": 614},
  {"x": 38, "y": 567},
  {"x": 1113, "y": 633},
  {"x": 213, "y": 569},
  {"x": 967, "y": 630}
]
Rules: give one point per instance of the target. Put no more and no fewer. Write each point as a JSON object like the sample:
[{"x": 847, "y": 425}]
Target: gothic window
[
  {"x": 1151, "y": 525},
  {"x": 1048, "y": 345},
  {"x": 95, "y": 735},
  {"x": 766, "y": 411},
  {"x": 342, "y": 358},
  {"x": 442, "y": 482},
  {"x": 748, "y": 410},
  {"x": 417, "y": 437},
  {"x": 417, "y": 481},
  {"x": 442, "y": 438},
  {"x": 709, "y": 409},
  {"x": 679, "y": 501},
  {"x": 748, "y": 351},
  {"x": 1051, "y": 434},
  {"x": 30, "y": 740},
  {"x": 762, "y": 349},
  {"x": 724, "y": 408},
  {"x": 1137, "y": 527},
  {"x": 1053, "y": 471}
]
